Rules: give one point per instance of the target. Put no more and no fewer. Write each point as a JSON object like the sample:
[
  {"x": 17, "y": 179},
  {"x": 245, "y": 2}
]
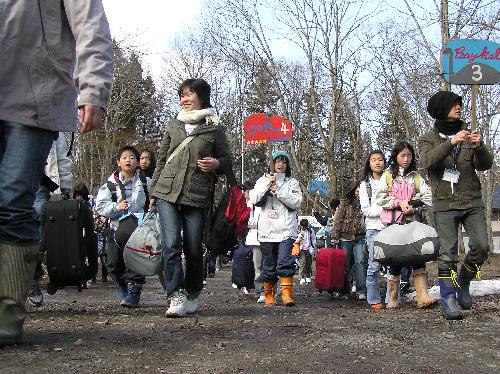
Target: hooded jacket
[{"x": 48, "y": 47}]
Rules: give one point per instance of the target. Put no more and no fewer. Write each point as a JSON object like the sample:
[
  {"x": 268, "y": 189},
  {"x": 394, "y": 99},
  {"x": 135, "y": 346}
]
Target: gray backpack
[
  {"x": 410, "y": 244},
  {"x": 142, "y": 253}
]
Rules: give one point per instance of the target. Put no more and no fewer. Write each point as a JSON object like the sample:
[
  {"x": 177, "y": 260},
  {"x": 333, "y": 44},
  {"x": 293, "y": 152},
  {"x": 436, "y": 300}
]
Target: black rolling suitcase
[
  {"x": 70, "y": 243},
  {"x": 243, "y": 272}
]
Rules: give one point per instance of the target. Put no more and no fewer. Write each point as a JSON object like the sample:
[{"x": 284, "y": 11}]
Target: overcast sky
[{"x": 150, "y": 25}]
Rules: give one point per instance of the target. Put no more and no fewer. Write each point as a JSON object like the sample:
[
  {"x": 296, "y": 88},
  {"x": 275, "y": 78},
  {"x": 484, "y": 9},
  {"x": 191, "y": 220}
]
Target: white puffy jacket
[{"x": 284, "y": 202}]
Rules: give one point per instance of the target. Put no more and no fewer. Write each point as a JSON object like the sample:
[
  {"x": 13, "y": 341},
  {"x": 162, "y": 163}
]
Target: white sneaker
[
  {"x": 308, "y": 280},
  {"x": 261, "y": 299},
  {"x": 234, "y": 285},
  {"x": 177, "y": 306},
  {"x": 361, "y": 296},
  {"x": 192, "y": 306},
  {"x": 244, "y": 290},
  {"x": 302, "y": 281}
]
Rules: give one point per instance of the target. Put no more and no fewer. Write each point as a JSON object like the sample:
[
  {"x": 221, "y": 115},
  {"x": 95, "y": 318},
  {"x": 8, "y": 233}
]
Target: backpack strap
[
  {"x": 179, "y": 148},
  {"x": 116, "y": 175},
  {"x": 112, "y": 189},
  {"x": 418, "y": 182},
  {"x": 144, "y": 183},
  {"x": 389, "y": 180},
  {"x": 369, "y": 191}
]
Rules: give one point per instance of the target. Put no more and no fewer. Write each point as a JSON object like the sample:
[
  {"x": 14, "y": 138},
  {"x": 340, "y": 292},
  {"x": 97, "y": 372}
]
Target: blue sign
[
  {"x": 470, "y": 61},
  {"x": 316, "y": 186}
]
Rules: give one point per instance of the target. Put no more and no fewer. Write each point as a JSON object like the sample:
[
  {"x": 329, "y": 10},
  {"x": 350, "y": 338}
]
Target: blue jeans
[
  {"x": 354, "y": 248},
  {"x": 191, "y": 220},
  {"x": 41, "y": 197},
  {"x": 373, "y": 272},
  {"x": 277, "y": 260},
  {"x": 406, "y": 272},
  {"x": 23, "y": 153}
]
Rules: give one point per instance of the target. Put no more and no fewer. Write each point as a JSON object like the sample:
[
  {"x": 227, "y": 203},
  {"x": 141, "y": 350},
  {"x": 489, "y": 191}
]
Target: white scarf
[{"x": 195, "y": 116}]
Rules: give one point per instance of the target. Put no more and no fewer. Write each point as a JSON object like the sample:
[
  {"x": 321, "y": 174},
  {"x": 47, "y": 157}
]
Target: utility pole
[
  {"x": 445, "y": 37},
  {"x": 240, "y": 118}
]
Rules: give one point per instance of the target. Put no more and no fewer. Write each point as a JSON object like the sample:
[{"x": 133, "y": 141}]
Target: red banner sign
[{"x": 261, "y": 128}]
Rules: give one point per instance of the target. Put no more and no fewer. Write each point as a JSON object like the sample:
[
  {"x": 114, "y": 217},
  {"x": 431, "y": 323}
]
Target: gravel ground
[{"x": 89, "y": 332}]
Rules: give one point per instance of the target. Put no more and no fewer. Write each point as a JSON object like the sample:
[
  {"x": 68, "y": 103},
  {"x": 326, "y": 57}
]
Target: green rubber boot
[{"x": 17, "y": 267}]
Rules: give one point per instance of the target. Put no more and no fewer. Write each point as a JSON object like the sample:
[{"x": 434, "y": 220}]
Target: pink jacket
[{"x": 403, "y": 188}]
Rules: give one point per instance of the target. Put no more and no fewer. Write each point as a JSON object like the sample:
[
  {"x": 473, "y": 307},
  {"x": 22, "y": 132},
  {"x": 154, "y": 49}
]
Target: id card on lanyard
[{"x": 452, "y": 175}]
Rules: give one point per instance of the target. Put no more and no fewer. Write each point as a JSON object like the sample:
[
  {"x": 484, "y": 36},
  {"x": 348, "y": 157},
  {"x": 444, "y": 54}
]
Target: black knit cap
[{"x": 440, "y": 104}]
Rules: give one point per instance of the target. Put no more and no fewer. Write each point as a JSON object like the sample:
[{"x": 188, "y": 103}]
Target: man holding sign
[{"x": 452, "y": 153}]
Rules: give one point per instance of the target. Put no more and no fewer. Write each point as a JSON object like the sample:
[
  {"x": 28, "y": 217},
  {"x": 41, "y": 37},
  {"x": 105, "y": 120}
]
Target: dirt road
[{"x": 89, "y": 332}]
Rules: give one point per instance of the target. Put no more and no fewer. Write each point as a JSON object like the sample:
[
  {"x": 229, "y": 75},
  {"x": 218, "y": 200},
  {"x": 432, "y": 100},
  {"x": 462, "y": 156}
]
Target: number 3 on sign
[
  {"x": 284, "y": 130},
  {"x": 477, "y": 75}
]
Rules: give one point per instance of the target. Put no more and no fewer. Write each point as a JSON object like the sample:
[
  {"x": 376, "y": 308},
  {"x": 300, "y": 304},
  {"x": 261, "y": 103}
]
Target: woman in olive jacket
[{"x": 181, "y": 187}]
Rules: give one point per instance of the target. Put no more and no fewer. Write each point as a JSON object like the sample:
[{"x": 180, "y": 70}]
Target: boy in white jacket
[
  {"x": 279, "y": 196},
  {"x": 128, "y": 283}
]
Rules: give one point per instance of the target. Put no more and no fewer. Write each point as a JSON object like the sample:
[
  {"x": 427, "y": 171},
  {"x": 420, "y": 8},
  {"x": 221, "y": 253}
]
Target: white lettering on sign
[
  {"x": 284, "y": 129},
  {"x": 477, "y": 75}
]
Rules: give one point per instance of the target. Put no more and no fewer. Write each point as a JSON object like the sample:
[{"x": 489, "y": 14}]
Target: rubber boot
[
  {"x": 468, "y": 271},
  {"x": 270, "y": 293},
  {"x": 17, "y": 267},
  {"x": 133, "y": 295},
  {"x": 423, "y": 298},
  {"x": 393, "y": 293},
  {"x": 287, "y": 291},
  {"x": 448, "y": 290}
]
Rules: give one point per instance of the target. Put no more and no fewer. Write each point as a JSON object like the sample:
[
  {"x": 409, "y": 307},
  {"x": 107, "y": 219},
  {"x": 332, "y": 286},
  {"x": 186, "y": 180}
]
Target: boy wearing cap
[
  {"x": 279, "y": 196},
  {"x": 451, "y": 154}
]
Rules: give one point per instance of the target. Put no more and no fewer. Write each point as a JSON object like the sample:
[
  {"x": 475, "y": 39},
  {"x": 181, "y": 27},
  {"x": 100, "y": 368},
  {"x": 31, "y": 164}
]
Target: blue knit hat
[
  {"x": 277, "y": 154},
  {"x": 285, "y": 155}
]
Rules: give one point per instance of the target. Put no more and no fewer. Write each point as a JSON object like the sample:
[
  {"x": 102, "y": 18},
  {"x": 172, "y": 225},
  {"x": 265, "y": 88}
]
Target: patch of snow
[{"x": 477, "y": 288}]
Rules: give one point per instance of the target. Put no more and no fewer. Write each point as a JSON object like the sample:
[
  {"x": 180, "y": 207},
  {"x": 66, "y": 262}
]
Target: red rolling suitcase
[{"x": 330, "y": 269}]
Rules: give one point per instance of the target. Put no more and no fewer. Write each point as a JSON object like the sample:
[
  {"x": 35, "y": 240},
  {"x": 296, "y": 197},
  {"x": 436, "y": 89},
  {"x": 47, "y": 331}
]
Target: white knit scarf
[{"x": 195, "y": 116}]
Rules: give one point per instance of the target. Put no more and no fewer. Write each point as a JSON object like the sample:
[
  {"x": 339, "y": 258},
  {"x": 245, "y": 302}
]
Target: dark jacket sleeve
[
  {"x": 162, "y": 158},
  {"x": 222, "y": 154},
  {"x": 431, "y": 156},
  {"x": 322, "y": 220},
  {"x": 483, "y": 159}
]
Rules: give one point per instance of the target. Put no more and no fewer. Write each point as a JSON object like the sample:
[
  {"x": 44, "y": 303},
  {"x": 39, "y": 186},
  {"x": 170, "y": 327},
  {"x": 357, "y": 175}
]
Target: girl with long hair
[{"x": 401, "y": 194}]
